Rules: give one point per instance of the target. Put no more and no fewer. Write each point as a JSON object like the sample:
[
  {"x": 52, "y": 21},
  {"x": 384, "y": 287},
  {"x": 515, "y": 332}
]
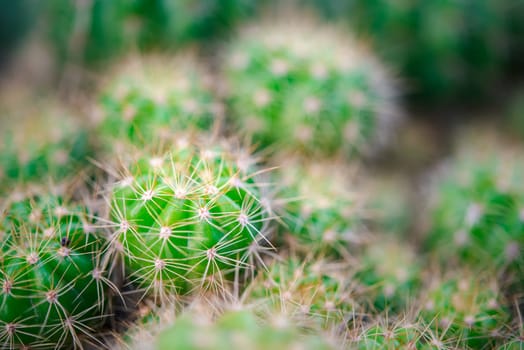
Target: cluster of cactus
[
  {"x": 189, "y": 240},
  {"x": 305, "y": 88}
]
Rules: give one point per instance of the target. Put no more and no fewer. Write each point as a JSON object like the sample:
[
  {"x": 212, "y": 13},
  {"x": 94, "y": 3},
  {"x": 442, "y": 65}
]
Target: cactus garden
[{"x": 247, "y": 174}]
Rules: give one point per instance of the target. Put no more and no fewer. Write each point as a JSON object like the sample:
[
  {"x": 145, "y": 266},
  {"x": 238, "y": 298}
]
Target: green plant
[
  {"x": 323, "y": 214},
  {"x": 153, "y": 97},
  {"x": 465, "y": 308},
  {"x": 305, "y": 86},
  {"x": 398, "y": 336},
  {"x": 189, "y": 218},
  {"x": 477, "y": 209},
  {"x": 54, "y": 286}
]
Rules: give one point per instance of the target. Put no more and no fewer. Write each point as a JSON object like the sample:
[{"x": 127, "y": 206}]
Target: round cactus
[
  {"x": 314, "y": 294},
  {"x": 150, "y": 98},
  {"x": 477, "y": 214},
  {"x": 389, "y": 274},
  {"x": 32, "y": 149},
  {"x": 380, "y": 337},
  {"x": 233, "y": 330},
  {"x": 466, "y": 309},
  {"x": 307, "y": 87},
  {"x": 191, "y": 217},
  {"x": 322, "y": 214},
  {"x": 54, "y": 288}
]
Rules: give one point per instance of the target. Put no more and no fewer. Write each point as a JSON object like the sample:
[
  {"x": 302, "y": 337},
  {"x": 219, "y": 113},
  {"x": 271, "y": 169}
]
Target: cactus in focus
[
  {"x": 189, "y": 218},
  {"x": 467, "y": 309},
  {"x": 54, "y": 286},
  {"x": 153, "y": 97},
  {"x": 401, "y": 336},
  {"x": 304, "y": 86}
]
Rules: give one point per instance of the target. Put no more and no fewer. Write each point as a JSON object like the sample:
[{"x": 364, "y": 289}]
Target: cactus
[
  {"x": 314, "y": 294},
  {"x": 54, "y": 288},
  {"x": 190, "y": 218},
  {"x": 399, "y": 336},
  {"x": 389, "y": 274},
  {"x": 477, "y": 213},
  {"x": 35, "y": 149},
  {"x": 239, "y": 329},
  {"x": 465, "y": 308},
  {"x": 152, "y": 97},
  {"x": 323, "y": 214},
  {"x": 304, "y": 86}
]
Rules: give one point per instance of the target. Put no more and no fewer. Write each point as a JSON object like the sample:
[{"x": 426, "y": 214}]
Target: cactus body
[
  {"x": 188, "y": 217},
  {"x": 307, "y": 87},
  {"x": 53, "y": 284},
  {"x": 151, "y": 98}
]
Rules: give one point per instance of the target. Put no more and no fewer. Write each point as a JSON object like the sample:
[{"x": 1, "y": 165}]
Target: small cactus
[
  {"x": 323, "y": 213},
  {"x": 315, "y": 294},
  {"x": 306, "y": 87},
  {"x": 465, "y": 308},
  {"x": 389, "y": 274},
  {"x": 401, "y": 336},
  {"x": 188, "y": 218},
  {"x": 152, "y": 97},
  {"x": 54, "y": 288},
  {"x": 477, "y": 213}
]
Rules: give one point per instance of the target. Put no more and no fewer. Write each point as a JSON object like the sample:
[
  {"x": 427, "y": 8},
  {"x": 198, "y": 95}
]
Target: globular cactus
[
  {"x": 398, "y": 336},
  {"x": 448, "y": 50},
  {"x": 315, "y": 293},
  {"x": 192, "y": 217},
  {"x": 36, "y": 148},
  {"x": 323, "y": 212},
  {"x": 233, "y": 330},
  {"x": 389, "y": 274},
  {"x": 477, "y": 210},
  {"x": 54, "y": 286},
  {"x": 153, "y": 97},
  {"x": 305, "y": 86},
  {"x": 465, "y": 308}
]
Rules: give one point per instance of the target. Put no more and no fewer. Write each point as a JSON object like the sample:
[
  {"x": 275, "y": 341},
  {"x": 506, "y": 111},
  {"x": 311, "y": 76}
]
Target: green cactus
[
  {"x": 233, "y": 330},
  {"x": 33, "y": 149},
  {"x": 389, "y": 274},
  {"x": 315, "y": 294},
  {"x": 304, "y": 86},
  {"x": 323, "y": 215},
  {"x": 54, "y": 288},
  {"x": 477, "y": 213},
  {"x": 465, "y": 308},
  {"x": 380, "y": 337},
  {"x": 153, "y": 97},
  {"x": 189, "y": 218}
]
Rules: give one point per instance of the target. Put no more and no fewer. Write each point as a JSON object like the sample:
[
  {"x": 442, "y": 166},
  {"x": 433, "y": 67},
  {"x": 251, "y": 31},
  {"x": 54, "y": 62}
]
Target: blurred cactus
[
  {"x": 50, "y": 146},
  {"x": 154, "y": 97},
  {"x": 477, "y": 214},
  {"x": 53, "y": 282},
  {"x": 234, "y": 330},
  {"x": 305, "y": 86},
  {"x": 389, "y": 274},
  {"x": 466, "y": 309},
  {"x": 324, "y": 214},
  {"x": 314, "y": 294},
  {"x": 189, "y": 218}
]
